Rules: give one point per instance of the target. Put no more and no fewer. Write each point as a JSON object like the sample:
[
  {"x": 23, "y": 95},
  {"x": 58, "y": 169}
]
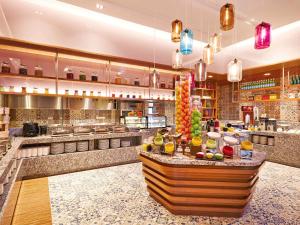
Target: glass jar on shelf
[
  {"x": 38, "y": 71},
  {"x": 67, "y": 92},
  {"x": 24, "y": 90},
  {"x": 69, "y": 74},
  {"x": 5, "y": 67},
  {"x": 118, "y": 79},
  {"x": 136, "y": 82},
  {"x": 83, "y": 93},
  {"x": 91, "y": 93},
  {"x": 94, "y": 77},
  {"x": 82, "y": 76},
  {"x": 23, "y": 69},
  {"x": 35, "y": 90},
  {"x": 76, "y": 92},
  {"x": 46, "y": 90}
]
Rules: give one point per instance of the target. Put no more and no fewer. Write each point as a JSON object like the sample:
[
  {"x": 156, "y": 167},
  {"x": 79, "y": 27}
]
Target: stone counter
[
  {"x": 180, "y": 159},
  {"x": 49, "y": 165},
  {"x": 286, "y": 148}
]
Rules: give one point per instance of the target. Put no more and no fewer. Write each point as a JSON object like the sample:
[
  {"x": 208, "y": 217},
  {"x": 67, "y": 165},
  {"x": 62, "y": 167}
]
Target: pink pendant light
[{"x": 262, "y": 35}]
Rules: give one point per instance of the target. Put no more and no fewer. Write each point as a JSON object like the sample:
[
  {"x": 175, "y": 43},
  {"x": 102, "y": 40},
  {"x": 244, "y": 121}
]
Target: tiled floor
[{"x": 117, "y": 195}]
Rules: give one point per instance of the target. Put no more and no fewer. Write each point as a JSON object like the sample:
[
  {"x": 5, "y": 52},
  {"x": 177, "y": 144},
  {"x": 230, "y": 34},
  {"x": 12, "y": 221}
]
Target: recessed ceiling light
[
  {"x": 99, "y": 6},
  {"x": 210, "y": 76},
  {"x": 119, "y": 73},
  {"x": 267, "y": 74}
]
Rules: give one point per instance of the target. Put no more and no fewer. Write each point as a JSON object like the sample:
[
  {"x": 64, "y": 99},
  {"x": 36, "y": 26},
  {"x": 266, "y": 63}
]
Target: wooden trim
[
  {"x": 200, "y": 190},
  {"x": 30, "y": 46}
]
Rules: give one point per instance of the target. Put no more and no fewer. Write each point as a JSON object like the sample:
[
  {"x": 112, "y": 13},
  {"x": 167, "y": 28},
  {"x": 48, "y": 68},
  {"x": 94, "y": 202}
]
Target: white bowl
[{"x": 231, "y": 140}]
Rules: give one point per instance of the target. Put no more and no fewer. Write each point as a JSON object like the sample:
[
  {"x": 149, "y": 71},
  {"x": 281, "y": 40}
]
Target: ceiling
[{"x": 140, "y": 29}]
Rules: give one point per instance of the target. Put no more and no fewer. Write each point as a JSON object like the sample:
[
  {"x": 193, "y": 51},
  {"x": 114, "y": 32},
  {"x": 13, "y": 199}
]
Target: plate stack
[
  {"x": 70, "y": 147},
  {"x": 115, "y": 143},
  {"x": 125, "y": 143},
  {"x": 103, "y": 144},
  {"x": 82, "y": 146},
  {"x": 57, "y": 148}
]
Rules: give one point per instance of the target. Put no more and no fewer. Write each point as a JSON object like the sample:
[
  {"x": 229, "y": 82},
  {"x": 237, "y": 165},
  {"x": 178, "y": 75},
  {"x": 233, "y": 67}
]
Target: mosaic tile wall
[
  {"x": 53, "y": 116},
  {"x": 288, "y": 111},
  {"x": 226, "y": 109}
]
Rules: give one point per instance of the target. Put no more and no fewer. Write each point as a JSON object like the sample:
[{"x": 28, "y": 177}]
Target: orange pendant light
[
  {"x": 208, "y": 54},
  {"x": 176, "y": 30},
  {"x": 215, "y": 42},
  {"x": 227, "y": 17}
]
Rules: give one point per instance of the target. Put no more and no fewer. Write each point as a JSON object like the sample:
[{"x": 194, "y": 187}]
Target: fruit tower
[
  {"x": 196, "y": 128},
  {"x": 178, "y": 106},
  {"x": 183, "y": 107}
]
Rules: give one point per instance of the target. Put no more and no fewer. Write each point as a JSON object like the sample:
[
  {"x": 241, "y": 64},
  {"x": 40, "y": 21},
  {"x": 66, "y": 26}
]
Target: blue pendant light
[{"x": 186, "y": 42}]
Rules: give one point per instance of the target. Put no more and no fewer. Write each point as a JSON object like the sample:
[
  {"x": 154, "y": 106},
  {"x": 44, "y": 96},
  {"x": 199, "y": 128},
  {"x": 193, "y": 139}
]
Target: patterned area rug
[{"x": 118, "y": 196}]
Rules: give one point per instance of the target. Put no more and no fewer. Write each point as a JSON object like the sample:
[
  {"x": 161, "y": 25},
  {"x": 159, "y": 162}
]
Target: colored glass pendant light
[
  {"x": 234, "y": 71},
  {"x": 176, "y": 30},
  {"x": 208, "y": 54},
  {"x": 200, "y": 71},
  {"x": 176, "y": 59},
  {"x": 186, "y": 42},
  {"x": 227, "y": 17},
  {"x": 154, "y": 79},
  {"x": 262, "y": 35},
  {"x": 215, "y": 42}
]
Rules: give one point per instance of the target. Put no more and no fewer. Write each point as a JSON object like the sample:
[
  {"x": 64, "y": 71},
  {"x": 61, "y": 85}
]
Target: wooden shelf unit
[
  {"x": 262, "y": 89},
  {"x": 106, "y": 67},
  {"x": 209, "y": 105}
]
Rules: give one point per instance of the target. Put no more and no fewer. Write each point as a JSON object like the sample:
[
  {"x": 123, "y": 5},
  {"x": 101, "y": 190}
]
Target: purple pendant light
[{"x": 262, "y": 35}]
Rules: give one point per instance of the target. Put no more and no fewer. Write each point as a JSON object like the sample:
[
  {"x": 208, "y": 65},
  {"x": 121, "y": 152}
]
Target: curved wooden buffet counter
[{"x": 187, "y": 186}]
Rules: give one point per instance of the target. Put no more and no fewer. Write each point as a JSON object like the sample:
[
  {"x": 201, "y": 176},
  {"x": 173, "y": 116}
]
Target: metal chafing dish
[
  {"x": 101, "y": 130},
  {"x": 61, "y": 133},
  {"x": 82, "y": 131}
]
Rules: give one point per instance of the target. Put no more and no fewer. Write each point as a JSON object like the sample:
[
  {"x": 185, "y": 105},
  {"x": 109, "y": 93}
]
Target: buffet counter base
[{"x": 205, "y": 190}]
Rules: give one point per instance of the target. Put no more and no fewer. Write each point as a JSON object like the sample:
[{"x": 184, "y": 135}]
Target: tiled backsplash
[
  {"x": 54, "y": 116},
  {"x": 287, "y": 111}
]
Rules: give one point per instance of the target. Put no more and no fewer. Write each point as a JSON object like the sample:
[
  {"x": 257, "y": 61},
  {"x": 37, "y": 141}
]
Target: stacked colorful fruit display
[
  {"x": 196, "y": 129},
  {"x": 178, "y": 106},
  {"x": 185, "y": 106}
]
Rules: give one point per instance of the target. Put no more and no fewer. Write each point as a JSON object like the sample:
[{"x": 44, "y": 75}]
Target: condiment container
[
  {"x": 84, "y": 93},
  {"x": 69, "y": 74},
  {"x": 82, "y": 76},
  {"x": 38, "y": 71},
  {"x": 23, "y": 69},
  {"x": 118, "y": 80},
  {"x": 35, "y": 90},
  {"x": 76, "y": 92},
  {"x": 136, "y": 82},
  {"x": 5, "y": 68},
  {"x": 94, "y": 77},
  {"x": 46, "y": 90}
]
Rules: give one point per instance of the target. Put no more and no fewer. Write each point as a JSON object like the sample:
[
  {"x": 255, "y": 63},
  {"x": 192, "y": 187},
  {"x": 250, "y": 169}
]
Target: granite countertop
[
  {"x": 91, "y": 136},
  {"x": 179, "y": 159}
]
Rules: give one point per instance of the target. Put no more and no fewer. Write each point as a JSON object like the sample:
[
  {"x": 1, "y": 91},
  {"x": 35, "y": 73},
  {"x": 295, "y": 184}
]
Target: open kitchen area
[{"x": 159, "y": 113}]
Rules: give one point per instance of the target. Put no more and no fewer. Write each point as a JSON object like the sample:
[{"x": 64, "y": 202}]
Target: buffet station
[{"x": 200, "y": 168}]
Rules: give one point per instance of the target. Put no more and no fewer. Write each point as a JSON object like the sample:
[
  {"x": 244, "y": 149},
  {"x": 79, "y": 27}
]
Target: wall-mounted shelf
[{"x": 261, "y": 89}]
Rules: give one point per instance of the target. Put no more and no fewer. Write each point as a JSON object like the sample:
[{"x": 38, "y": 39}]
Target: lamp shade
[
  {"x": 186, "y": 42},
  {"x": 176, "y": 59},
  {"x": 215, "y": 42},
  {"x": 227, "y": 17},
  {"x": 234, "y": 71},
  {"x": 208, "y": 54},
  {"x": 200, "y": 71},
  {"x": 262, "y": 35},
  {"x": 154, "y": 79},
  {"x": 176, "y": 30}
]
